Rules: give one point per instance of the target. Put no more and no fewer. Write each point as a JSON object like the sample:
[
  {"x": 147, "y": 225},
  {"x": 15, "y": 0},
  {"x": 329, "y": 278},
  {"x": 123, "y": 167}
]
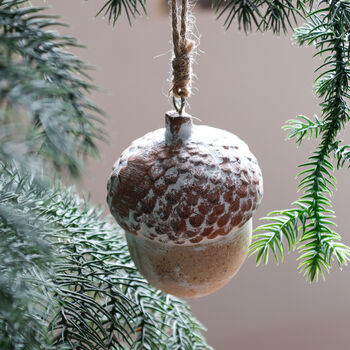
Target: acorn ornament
[{"x": 185, "y": 194}]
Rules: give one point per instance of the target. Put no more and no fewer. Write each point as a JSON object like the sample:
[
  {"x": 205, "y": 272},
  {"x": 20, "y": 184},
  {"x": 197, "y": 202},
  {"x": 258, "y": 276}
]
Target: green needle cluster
[
  {"x": 67, "y": 279},
  {"x": 309, "y": 225}
]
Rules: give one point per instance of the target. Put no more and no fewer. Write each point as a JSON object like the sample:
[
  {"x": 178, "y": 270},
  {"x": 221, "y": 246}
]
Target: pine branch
[
  {"x": 342, "y": 154},
  {"x": 304, "y": 127},
  {"x": 42, "y": 95},
  {"x": 283, "y": 226},
  {"x": 247, "y": 12},
  {"x": 113, "y": 9},
  {"x": 264, "y": 15},
  {"x": 315, "y": 185},
  {"x": 25, "y": 266},
  {"x": 328, "y": 29},
  {"x": 96, "y": 298}
]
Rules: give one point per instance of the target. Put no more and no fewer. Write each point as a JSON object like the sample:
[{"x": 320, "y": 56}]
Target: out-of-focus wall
[{"x": 248, "y": 85}]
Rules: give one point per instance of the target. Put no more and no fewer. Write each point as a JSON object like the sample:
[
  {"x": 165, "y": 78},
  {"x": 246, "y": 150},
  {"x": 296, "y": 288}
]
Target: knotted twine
[{"x": 181, "y": 62}]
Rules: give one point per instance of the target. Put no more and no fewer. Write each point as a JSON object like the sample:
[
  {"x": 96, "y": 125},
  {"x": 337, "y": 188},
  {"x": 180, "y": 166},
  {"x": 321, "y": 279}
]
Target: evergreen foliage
[
  {"x": 264, "y": 15},
  {"x": 310, "y": 222},
  {"x": 113, "y": 9},
  {"x": 42, "y": 92},
  {"x": 25, "y": 267},
  {"x": 66, "y": 278},
  {"x": 92, "y": 296},
  {"x": 342, "y": 153}
]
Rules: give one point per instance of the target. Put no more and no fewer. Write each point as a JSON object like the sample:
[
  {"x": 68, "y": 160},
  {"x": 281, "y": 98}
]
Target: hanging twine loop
[{"x": 181, "y": 62}]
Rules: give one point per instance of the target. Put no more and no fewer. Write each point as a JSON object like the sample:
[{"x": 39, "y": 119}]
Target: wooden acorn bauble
[{"x": 185, "y": 196}]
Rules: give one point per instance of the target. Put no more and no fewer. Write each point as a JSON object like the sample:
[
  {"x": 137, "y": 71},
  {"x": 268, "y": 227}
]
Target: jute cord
[{"x": 181, "y": 62}]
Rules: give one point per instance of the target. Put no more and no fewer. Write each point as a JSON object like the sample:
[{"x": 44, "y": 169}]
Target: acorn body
[
  {"x": 191, "y": 270},
  {"x": 185, "y": 196}
]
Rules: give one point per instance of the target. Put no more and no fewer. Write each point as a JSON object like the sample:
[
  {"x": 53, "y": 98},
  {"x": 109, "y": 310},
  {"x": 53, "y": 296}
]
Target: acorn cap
[{"x": 185, "y": 184}]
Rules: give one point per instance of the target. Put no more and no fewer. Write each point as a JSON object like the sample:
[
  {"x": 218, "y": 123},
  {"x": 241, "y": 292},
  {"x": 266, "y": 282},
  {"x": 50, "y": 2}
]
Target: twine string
[{"x": 181, "y": 62}]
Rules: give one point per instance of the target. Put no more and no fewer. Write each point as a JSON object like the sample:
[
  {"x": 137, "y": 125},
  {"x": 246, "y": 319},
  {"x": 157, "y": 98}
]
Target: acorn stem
[{"x": 178, "y": 128}]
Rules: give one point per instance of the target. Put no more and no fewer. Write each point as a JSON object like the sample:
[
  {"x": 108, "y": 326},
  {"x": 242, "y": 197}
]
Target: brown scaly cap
[{"x": 184, "y": 184}]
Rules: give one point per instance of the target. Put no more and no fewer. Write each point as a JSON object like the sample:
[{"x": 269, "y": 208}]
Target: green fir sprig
[
  {"x": 342, "y": 154},
  {"x": 67, "y": 279},
  {"x": 43, "y": 93},
  {"x": 309, "y": 224},
  {"x": 25, "y": 266},
  {"x": 262, "y": 15},
  {"x": 303, "y": 127},
  {"x": 113, "y": 9}
]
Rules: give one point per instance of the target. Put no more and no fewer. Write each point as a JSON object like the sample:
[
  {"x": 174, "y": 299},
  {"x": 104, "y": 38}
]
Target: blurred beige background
[{"x": 249, "y": 85}]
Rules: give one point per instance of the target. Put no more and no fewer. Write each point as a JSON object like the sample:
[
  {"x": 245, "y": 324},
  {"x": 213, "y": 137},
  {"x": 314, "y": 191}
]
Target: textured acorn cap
[{"x": 185, "y": 184}]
